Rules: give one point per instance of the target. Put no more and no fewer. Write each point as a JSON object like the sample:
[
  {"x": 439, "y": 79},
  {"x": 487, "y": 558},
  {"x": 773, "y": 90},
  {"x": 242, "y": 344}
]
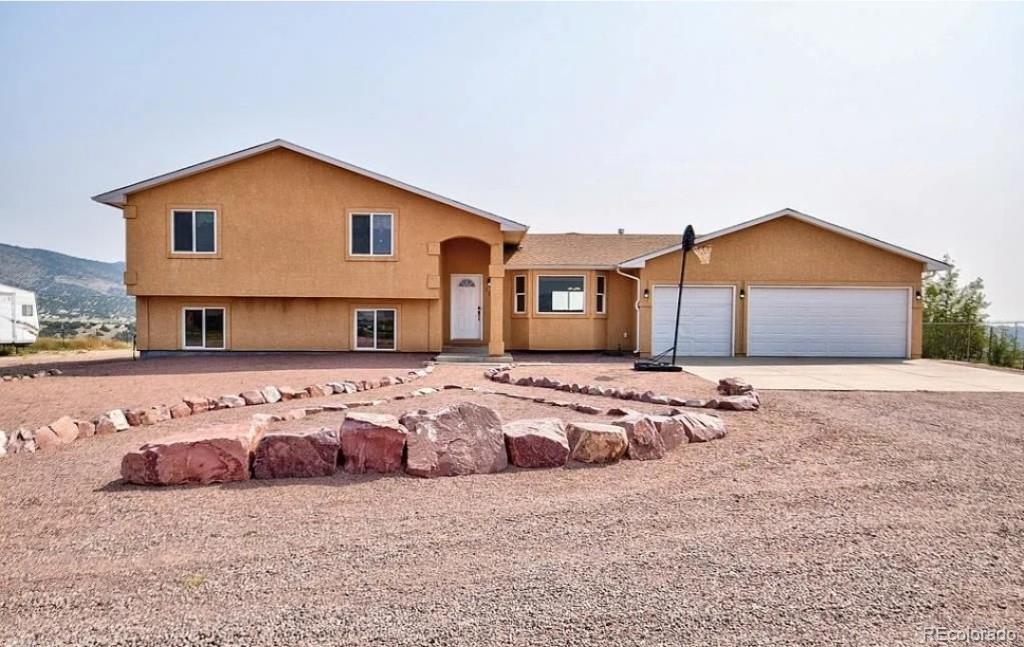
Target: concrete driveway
[{"x": 818, "y": 374}]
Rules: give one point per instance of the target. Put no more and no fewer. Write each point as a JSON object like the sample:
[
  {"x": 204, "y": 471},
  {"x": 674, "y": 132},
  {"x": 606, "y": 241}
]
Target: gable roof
[
  {"x": 929, "y": 262},
  {"x": 593, "y": 251},
  {"x": 118, "y": 197}
]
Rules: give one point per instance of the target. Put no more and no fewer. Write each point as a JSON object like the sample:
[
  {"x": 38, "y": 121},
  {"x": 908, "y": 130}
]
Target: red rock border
[
  {"x": 66, "y": 429},
  {"x": 736, "y": 394}
]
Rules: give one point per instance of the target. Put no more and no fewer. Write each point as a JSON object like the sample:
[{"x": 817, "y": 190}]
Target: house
[{"x": 278, "y": 247}]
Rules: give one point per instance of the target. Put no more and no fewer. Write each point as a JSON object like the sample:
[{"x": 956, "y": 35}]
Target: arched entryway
[{"x": 465, "y": 292}]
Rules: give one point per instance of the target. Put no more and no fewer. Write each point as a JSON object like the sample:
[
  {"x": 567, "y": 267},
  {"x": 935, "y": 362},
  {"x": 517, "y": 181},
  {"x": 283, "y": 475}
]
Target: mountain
[{"x": 67, "y": 287}]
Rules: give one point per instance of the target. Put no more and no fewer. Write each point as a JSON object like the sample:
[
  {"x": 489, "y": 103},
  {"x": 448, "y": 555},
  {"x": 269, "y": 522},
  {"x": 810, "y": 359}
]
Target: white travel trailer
[{"x": 19, "y": 320}]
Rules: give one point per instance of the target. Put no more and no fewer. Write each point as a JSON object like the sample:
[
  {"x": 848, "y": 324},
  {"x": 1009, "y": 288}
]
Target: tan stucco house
[{"x": 278, "y": 247}]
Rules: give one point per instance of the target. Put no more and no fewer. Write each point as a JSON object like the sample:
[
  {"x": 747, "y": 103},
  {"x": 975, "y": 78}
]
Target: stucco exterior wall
[
  {"x": 278, "y": 323},
  {"x": 282, "y": 229},
  {"x": 786, "y": 251}
]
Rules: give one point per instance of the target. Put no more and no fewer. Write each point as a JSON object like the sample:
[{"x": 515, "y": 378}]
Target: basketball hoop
[{"x": 703, "y": 254}]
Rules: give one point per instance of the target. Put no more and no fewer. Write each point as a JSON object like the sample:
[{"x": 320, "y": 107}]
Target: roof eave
[{"x": 118, "y": 197}]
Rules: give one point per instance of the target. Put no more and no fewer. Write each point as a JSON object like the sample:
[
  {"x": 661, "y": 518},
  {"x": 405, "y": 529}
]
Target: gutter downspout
[{"x": 636, "y": 306}]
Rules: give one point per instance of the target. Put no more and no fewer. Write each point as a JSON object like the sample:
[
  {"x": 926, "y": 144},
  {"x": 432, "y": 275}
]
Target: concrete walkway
[{"x": 818, "y": 374}]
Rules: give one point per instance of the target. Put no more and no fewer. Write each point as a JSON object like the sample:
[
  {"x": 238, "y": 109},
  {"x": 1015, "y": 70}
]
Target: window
[
  {"x": 371, "y": 234},
  {"x": 27, "y": 310},
  {"x": 204, "y": 328},
  {"x": 560, "y": 294},
  {"x": 520, "y": 294},
  {"x": 375, "y": 330},
  {"x": 194, "y": 231},
  {"x": 600, "y": 292}
]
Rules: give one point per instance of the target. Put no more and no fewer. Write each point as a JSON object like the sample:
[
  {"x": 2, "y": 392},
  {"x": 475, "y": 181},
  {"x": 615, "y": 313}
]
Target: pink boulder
[
  {"x": 645, "y": 442},
  {"x": 252, "y": 397},
  {"x": 700, "y": 427},
  {"x": 197, "y": 403},
  {"x": 462, "y": 439},
  {"x": 372, "y": 442},
  {"x": 537, "y": 443},
  {"x": 155, "y": 415},
  {"x": 591, "y": 442},
  {"x": 734, "y": 386},
  {"x": 180, "y": 410},
  {"x": 85, "y": 428},
  {"x": 746, "y": 402},
  {"x": 60, "y": 432},
  {"x": 213, "y": 454},
  {"x": 296, "y": 454}
]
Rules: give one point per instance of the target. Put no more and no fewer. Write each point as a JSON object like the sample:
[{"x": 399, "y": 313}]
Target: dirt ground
[{"x": 824, "y": 518}]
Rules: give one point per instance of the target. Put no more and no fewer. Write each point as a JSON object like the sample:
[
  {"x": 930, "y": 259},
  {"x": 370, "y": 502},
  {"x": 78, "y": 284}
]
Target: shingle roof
[{"x": 585, "y": 250}]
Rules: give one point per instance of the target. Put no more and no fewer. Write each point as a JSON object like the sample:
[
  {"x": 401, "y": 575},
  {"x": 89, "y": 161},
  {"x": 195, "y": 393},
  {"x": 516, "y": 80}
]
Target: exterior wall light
[
  {"x": 917, "y": 295},
  {"x": 743, "y": 293},
  {"x": 647, "y": 293}
]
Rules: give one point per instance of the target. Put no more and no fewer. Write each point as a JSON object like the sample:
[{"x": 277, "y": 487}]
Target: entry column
[{"x": 496, "y": 300}]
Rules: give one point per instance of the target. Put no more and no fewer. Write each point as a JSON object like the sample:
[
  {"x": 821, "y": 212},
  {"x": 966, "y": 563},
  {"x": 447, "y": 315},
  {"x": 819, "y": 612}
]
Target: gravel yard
[{"x": 824, "y": 518}]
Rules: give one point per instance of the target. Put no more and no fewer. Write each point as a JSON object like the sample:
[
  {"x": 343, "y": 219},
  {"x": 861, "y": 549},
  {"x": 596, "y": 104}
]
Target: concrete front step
[{"x": 456, "y": 357}]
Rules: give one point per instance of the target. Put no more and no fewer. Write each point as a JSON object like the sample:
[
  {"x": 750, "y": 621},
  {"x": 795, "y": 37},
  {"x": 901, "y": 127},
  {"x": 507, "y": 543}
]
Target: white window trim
[
  {"x": 355, "y": 330},
  {"x": 216, "y": 242},
  {"x": 184, "y": 337},
  {"x": 561, "y": 313},
  {"x": 372, "y": 215},
  {"x": 598, "y": 292},
  {"x": 516, "y": 294}
]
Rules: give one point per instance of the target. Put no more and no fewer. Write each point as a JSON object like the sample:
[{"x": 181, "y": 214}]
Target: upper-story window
[
  {"x": 560, "y": 294},
  {"x": 371, "y": 234},
  {"x": 27, "y": 310},
  {"x": 194, "y": 231}
]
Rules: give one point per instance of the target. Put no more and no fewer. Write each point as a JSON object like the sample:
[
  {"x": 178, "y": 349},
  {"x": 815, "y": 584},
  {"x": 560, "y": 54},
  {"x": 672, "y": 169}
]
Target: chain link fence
[{"x": 999, "y": 343}]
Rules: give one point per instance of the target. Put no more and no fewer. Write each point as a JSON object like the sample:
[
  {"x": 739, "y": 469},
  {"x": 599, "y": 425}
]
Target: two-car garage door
[
  {"x": 827, "y": 322},
  {"x": 786, "y": 321}
]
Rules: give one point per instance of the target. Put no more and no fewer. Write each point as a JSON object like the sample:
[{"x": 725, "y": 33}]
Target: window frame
[
  {"x": 184, "y": 332},
  {"x": 561, "y": 313},
  {"x": 355, "y": 330},
  {"x": 601, "y": 294},
  {"x": 516, "y": 294},
  {"x": 372, "y": 213},
  {"x": 193, "y": 211},
  {"x": 31, "y": 310}
]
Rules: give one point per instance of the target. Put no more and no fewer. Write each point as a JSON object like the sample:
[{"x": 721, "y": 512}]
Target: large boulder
[
  {"x": 296, "y": 454},
  {"x": 214, "y": 454},
  {"x": 537, "y": 443},
  {"x": 645, "y": 441},
  {"x": 461, "y": 439},
  {"x": 198, "y": 403},
  {"x": 253, "y": 397},
  {"x": 372, "y": 442},
  {"x": 592, "y": 442},
  {"x": 734, "y": 386},
  {"x": 672, "y": 431},
  {"x": 60, "y": 432},
  {"x": 701, "y": 427},
  {"x": 746, "y": 402},
  {"x": 270, "y": 394}
]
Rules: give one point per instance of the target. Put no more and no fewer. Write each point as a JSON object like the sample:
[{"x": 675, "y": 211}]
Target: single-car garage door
[
  {"x": 705, "y": 327},
  {"x": 827, "y": 322}
]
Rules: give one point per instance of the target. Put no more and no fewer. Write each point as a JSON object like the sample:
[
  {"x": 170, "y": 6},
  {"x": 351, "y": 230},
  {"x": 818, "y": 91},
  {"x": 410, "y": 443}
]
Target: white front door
[{"x": 467, "y": 311}]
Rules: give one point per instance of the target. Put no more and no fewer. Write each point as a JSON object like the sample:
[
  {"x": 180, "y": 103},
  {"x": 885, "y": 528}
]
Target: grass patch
[{"x": 84, "y": 342}]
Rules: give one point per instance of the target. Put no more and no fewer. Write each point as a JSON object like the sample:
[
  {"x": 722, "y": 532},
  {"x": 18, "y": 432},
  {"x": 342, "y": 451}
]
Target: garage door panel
[
  {"x": 706, "y": 323},
  {"x": 827, "y": 322}
]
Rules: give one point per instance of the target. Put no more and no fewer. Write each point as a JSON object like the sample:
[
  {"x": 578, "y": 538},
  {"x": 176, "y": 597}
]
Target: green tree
[{"x": 954, "y": 316}]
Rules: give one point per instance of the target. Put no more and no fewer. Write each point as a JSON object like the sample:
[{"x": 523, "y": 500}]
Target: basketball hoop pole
[{"x": 688, "y": 240}]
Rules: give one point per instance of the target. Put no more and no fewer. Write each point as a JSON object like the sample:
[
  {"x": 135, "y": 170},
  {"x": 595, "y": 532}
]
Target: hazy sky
[{"x": 905, "y": 122}]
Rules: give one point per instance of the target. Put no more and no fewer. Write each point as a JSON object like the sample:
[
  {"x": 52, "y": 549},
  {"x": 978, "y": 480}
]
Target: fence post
[{"x": 988, "y": 353}]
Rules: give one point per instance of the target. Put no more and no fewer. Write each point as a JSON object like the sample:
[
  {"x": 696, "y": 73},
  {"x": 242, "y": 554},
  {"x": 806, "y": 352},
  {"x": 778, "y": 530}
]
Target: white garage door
[
  {"x": 827, "y": 322},
  {"x": 705, "y": 327}
]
